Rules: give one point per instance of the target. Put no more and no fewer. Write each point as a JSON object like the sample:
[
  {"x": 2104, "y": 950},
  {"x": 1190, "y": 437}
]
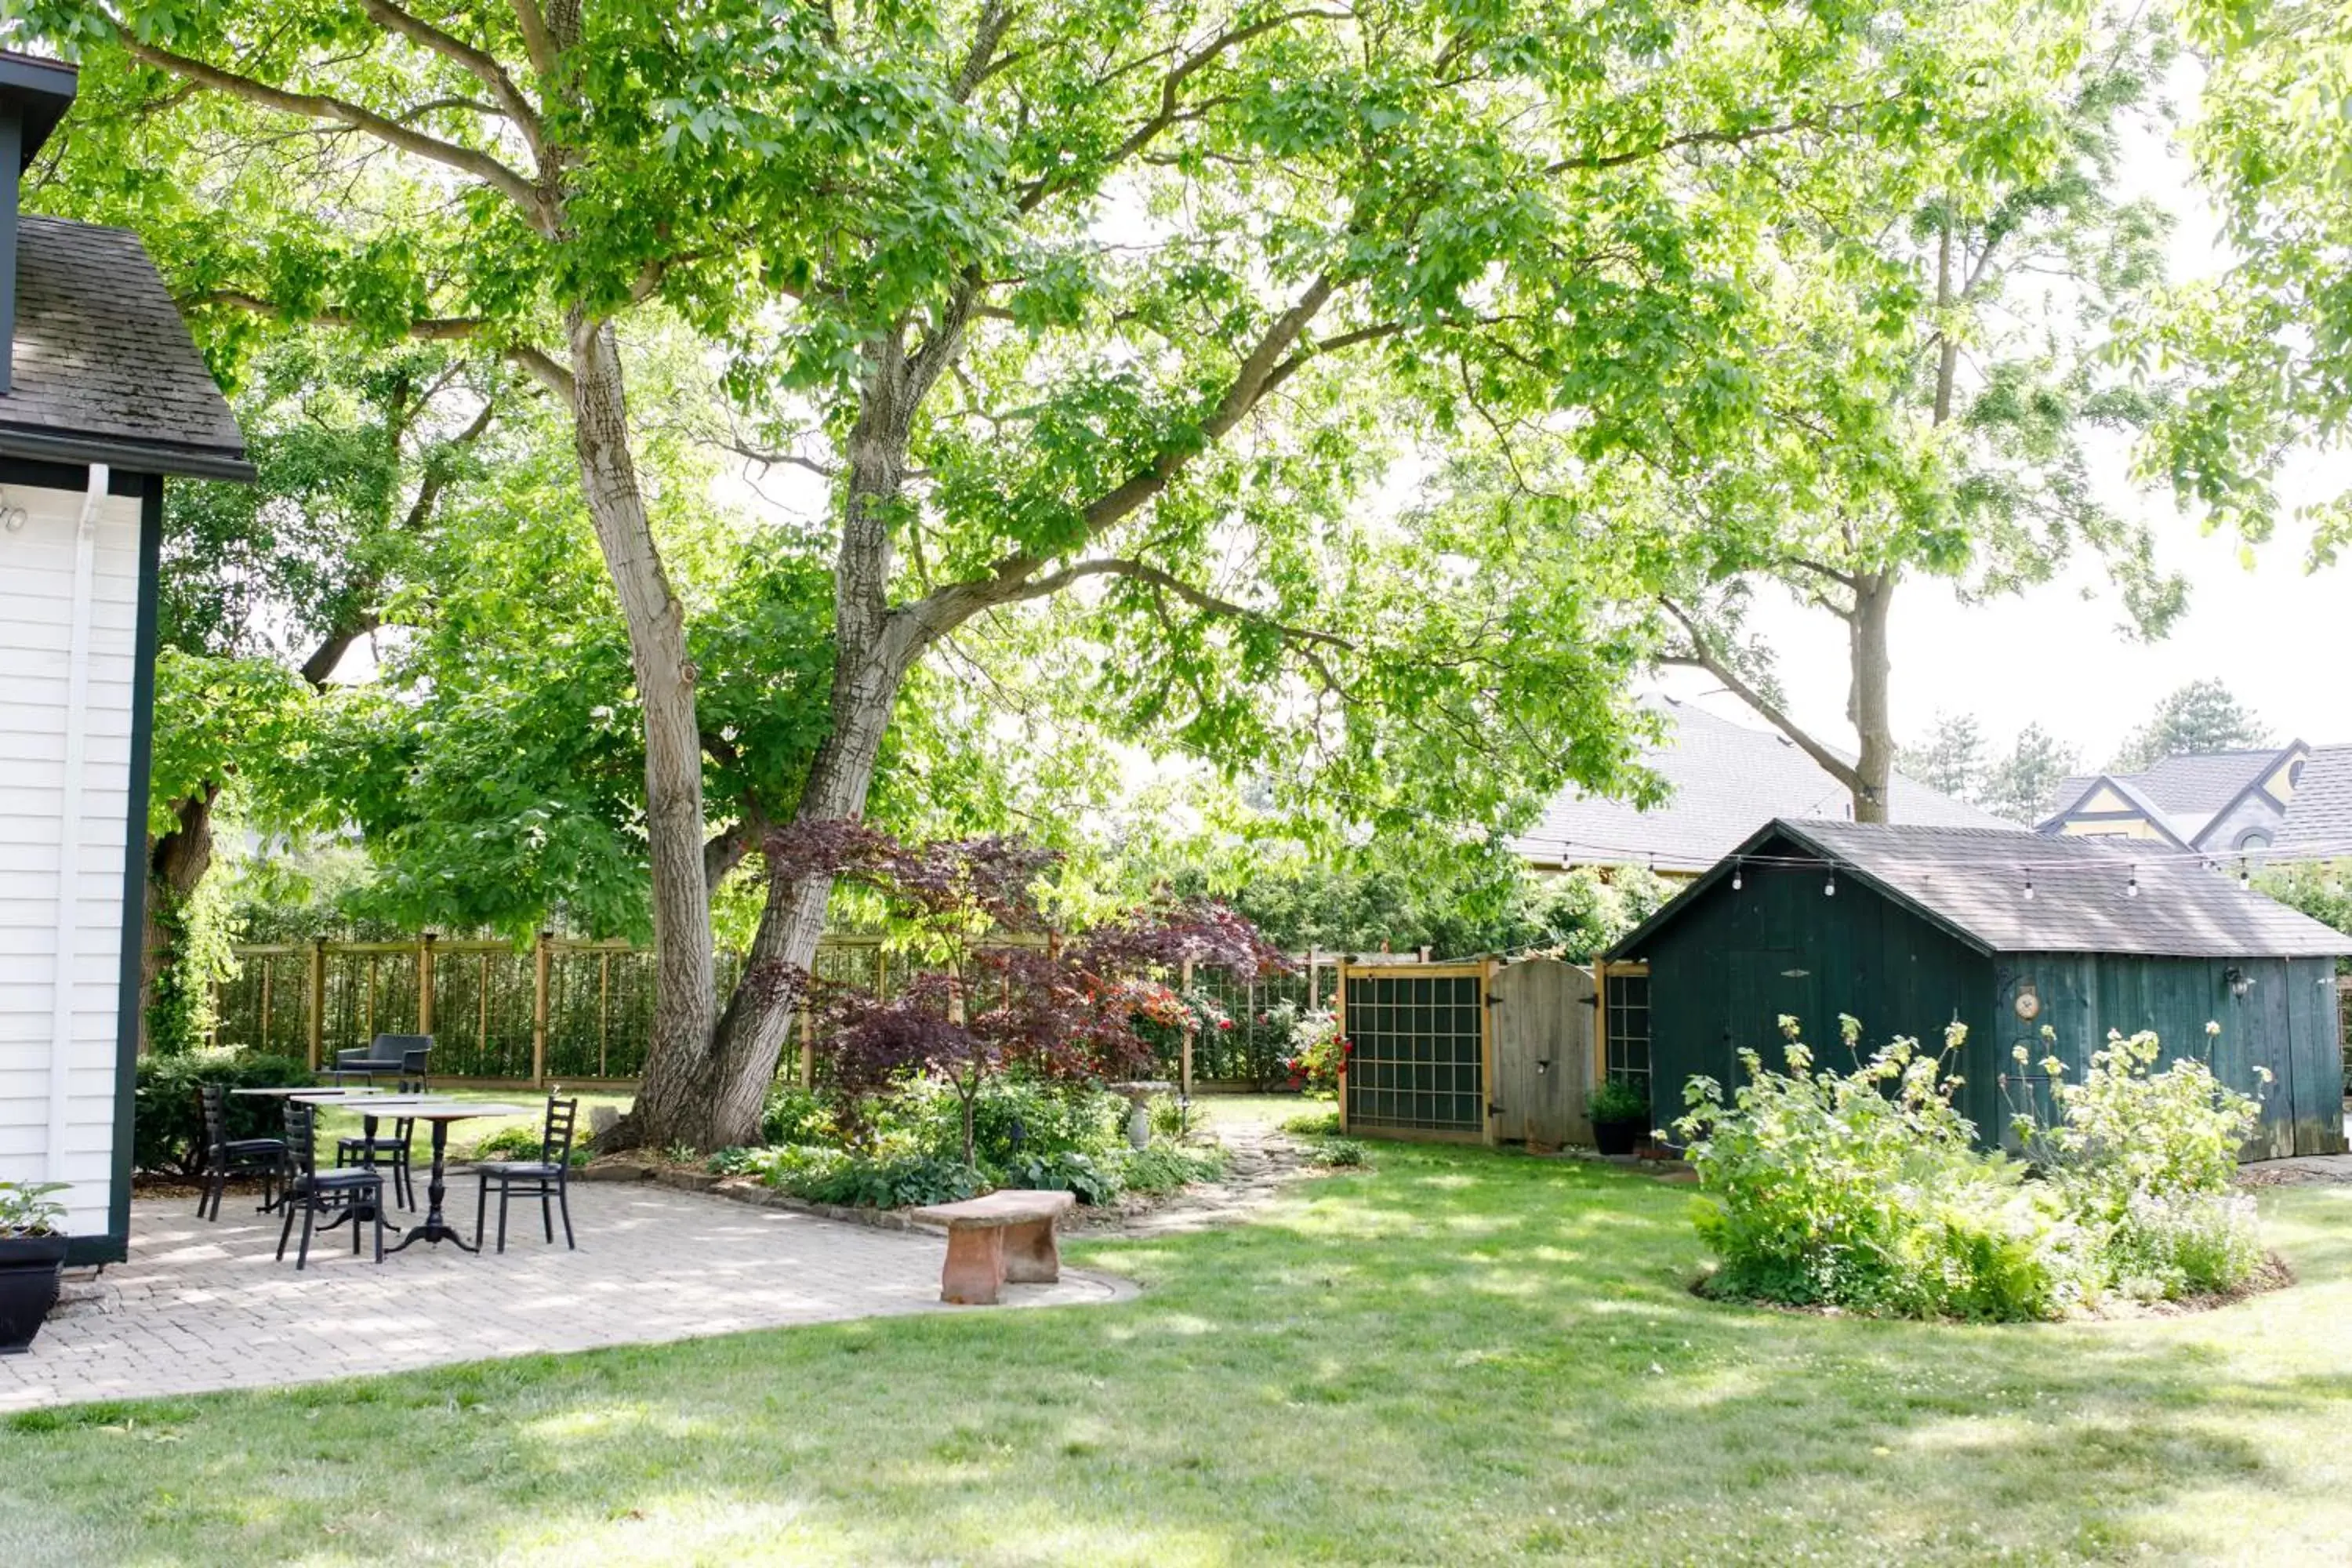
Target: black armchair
[
  {"x": 225, "y": 1156},
  {"x": 549, "y": 1176},
  {"x": 405, "y": 1054}
]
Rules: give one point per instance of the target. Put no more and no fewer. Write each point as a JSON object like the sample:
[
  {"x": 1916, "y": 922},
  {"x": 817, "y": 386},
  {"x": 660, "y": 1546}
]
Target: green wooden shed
[{"x": 1911, "y": 928}]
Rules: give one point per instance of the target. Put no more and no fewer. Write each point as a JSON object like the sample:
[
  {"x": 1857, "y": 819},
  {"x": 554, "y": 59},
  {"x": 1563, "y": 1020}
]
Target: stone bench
[{"x": 1006, "y": 1236}]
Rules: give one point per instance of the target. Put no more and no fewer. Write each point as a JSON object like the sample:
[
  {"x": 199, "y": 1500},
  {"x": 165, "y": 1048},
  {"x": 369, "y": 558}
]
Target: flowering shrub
[
  {"x": 2146, "y": 1161},
  {"x": 1864, "y": 1190},
  {"x": 1317, "y": 1052}
]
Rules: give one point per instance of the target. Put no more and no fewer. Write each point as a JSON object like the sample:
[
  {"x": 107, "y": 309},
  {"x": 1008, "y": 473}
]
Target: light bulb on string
[
  {"x": 1736, "y": 867},
  {"x": 2029, "y": 887},
  {"x": 2131, "y": 888},
  {"x": 1828, "y": 888},
  {"x": 2245, "y": 877}
]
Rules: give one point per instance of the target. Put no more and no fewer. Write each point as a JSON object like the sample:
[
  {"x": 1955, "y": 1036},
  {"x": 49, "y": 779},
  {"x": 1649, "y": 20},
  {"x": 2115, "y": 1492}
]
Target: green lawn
[{"x": 1458, "y": 1357}]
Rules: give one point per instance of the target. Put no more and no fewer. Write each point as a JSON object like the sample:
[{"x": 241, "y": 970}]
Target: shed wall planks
[{"x": 35, "y": 620}]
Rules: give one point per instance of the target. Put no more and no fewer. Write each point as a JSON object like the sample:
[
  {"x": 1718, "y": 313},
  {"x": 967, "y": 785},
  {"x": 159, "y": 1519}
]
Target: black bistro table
[{"x": 440, "y": 1112}]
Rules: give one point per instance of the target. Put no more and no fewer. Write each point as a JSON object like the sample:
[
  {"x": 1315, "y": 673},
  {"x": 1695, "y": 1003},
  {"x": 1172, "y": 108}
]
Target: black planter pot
[
  {"x": 30, "y": 1267},
  {"x": 1617, "y": 1137}
]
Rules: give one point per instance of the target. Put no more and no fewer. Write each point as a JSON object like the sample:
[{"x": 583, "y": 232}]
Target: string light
[
  {"x": 2245, "y": 877},
  {"x": 2131, "y": 889},
  {"x": 2029, "y": 887},
  {"x": 1737, "y": 865},
  {"x": 1828, "y": 888}
]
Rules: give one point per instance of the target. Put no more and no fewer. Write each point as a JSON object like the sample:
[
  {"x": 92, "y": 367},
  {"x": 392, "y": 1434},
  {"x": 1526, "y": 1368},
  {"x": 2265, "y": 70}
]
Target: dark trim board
[
  {"x": 160, "y": 456},
  {"x": 29, "y": 474},
  {"x": 115, "y": 1245}
]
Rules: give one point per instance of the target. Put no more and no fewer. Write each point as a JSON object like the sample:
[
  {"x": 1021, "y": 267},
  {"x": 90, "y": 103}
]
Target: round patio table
[{"x": 440, "y": 1112}]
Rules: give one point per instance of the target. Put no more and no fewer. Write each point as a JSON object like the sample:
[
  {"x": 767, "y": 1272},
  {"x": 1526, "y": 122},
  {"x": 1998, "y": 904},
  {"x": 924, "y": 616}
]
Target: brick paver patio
[{"x": 203, "y": 1306}]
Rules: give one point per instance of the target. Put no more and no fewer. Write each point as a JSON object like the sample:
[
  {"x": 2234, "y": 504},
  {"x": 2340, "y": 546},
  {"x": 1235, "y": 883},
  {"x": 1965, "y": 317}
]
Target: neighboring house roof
[
  {"x": 1971, "y": 882},
  {"x": 104, "y": 369},
  {"x": 2318, "y": 823},
  {"x": 1723, "y": 781}
]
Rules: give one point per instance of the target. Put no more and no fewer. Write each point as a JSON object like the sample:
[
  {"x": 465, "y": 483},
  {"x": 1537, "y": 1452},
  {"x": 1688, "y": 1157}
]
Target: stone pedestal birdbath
[{"x": 1138, "y": 1109}]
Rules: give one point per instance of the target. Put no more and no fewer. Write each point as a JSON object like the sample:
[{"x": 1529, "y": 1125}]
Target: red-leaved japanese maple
[{"x": 994, "y": 987}]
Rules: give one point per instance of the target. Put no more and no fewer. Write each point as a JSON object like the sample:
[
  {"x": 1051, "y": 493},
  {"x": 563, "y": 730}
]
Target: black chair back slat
[
  {"x": 211, "y": 1097},
  {"x": 555, "y": 1143},
  {"x": 302, "y": 1138}
]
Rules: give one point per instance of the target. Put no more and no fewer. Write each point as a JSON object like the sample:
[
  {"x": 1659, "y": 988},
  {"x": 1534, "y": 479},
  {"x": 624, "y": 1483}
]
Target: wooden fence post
[
  {"x": 315, "y": 1025},
  {"x": 425, "y": 983},
  {"x": 603, "y": 1009},
  {"x": 1185, "y": 1059},
  {"x": 539, "y": 1013},
  {"x": 1340, "y": 1027}
]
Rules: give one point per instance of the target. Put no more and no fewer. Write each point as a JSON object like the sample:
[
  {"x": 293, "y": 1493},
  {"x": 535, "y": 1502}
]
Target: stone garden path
[{"x": 203, "y": 1306}]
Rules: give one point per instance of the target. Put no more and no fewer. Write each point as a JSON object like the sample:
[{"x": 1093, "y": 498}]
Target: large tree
[
  {"x": 2265, "y": 348},
  {"x": 1056, "y": 301},
  {"x": 1941, "y": 389}
]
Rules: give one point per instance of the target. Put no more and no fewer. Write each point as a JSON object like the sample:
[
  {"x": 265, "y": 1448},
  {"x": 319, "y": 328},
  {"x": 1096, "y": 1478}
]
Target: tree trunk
[
  {"x": 177, "y": 864},
  {"x": 872, "y": 653},
  {"x": 1867, "y": 699},
  {"x": 684, "y": 974}
]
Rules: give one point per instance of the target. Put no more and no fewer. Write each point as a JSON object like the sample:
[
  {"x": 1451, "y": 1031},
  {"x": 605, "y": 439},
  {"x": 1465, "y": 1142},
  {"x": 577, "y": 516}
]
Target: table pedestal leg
[{"x": 435, "y": 1228}]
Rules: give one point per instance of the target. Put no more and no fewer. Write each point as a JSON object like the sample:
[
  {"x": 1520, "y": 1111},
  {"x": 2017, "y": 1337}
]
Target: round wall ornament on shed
[{"x": 2028, "y": 1002}]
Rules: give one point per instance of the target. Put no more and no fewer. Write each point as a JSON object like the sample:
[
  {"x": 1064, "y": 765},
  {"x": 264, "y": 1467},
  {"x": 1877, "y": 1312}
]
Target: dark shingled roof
[
  {"x": 1972, "y": 883},
  {"x": 1723, "y": 781},
  {"x": 2319, "y": 818},
  {"x": 105, "y": 370}
]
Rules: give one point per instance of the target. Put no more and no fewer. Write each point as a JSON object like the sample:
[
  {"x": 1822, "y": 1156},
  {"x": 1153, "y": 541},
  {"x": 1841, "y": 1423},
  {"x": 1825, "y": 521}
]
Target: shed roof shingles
[
  {"x": 102, "y": 351},
  {"x": 1974, "y": 880}
]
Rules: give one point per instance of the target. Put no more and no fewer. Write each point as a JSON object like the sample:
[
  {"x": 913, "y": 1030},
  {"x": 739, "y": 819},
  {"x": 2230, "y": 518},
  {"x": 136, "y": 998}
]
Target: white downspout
[{"x": 61, "y": 1040}]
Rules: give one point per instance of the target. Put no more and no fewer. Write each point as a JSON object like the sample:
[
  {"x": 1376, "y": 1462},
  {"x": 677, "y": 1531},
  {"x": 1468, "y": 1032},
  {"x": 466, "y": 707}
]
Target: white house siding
[{"x": 36, "y": 597}]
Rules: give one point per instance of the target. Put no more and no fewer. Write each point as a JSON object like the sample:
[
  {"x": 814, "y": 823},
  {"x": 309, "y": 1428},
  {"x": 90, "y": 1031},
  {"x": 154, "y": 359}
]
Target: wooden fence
[{"x": 580, "y": 1012}]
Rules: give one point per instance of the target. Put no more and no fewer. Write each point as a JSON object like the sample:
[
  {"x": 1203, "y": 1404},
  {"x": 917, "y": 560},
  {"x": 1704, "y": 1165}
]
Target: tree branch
[
  {"x": 925, "y": 620},
  {"x": 316, "y": 106},
  {"x": 485, "y": 69},
  {"x": 1702, "y": 656},
  {"x": 425, "y": 328},
  {"x": 1171, "y": 100},
  {"x": 536, "y": 41},
  {"x": 1198, "y": 598}
]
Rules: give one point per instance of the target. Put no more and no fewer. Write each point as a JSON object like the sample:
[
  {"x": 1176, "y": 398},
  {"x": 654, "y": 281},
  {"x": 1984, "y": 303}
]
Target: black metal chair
[
  {"x": 340, "y": 1193},
  {"x": 549, "y": 1176},
  {"x": 225, "y": 1156},
  {"x": 394, "y": 1154},
  {"x": 415, "y": 1063}
]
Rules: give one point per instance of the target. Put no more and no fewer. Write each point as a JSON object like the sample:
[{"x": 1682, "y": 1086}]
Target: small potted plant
[
  {"x": 32, "y": 1255},
  {"x": 1620, "y": 1115}
]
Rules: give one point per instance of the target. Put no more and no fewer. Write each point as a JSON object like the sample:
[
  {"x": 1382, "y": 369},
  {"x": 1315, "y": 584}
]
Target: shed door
[{"x": 1543, "y": 1051}]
